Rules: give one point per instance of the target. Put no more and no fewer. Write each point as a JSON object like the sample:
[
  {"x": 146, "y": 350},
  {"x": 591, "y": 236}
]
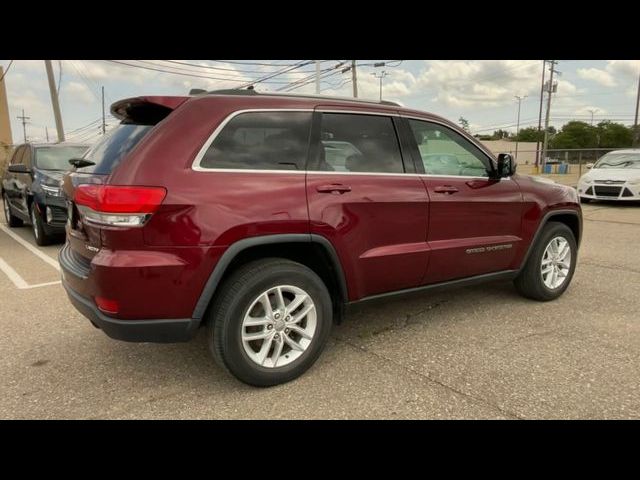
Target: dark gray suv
[{"x": 31, "y": 188}]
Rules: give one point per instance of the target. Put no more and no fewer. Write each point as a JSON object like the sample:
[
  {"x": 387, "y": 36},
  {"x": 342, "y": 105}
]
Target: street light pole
[
  {"x": 520, "y": 98},
  {"x": 381, "y": 76},
  {"x": 592, "y": 112}
]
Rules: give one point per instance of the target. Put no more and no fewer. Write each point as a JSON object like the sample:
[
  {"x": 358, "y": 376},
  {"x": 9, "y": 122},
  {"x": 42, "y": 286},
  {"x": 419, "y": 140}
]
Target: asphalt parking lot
[{"x": 474, "y": 352}]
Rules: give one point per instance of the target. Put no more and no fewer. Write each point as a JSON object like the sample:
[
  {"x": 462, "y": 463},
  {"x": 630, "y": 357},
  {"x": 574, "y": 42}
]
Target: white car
[{"x": 616, "y": 176}]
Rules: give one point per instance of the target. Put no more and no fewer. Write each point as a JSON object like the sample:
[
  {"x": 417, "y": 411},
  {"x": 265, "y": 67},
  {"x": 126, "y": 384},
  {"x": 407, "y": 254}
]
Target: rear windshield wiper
[{"x": 81, "y": 162}]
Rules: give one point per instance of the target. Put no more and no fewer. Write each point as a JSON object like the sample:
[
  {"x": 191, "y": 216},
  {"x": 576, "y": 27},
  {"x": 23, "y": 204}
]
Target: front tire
[
  {"x": 549, "y": 268},
  {"x": 270, "y": 321},
  {"x": 584, "y": 200},
  {"x": 39, "y": 234},
  {"x": 11, "y": 219}
]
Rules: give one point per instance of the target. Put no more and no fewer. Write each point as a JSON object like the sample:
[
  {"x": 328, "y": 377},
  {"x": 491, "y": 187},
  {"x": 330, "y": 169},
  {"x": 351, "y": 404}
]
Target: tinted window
[
  {"x": 446, "y": 152},
  {"x": 57, "y": 158},
  {"x": 109, "y": 151},
  {"x": 359, "y": 143},
  {"x": 262, "y": 141}
]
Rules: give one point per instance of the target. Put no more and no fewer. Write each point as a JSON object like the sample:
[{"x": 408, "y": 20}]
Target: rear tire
[
  {"x": 10, "y": 218},
  {"x": 249, "y": 304},
  {"x": 537, "y": 280},
  {"x": 39, "y": 233}
]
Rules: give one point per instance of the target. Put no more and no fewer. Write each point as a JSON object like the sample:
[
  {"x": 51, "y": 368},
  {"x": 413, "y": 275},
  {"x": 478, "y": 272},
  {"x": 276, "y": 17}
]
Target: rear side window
[
  {"x": 261, "y": 141},
  {"x": 359, "y": 143},
  {"x": 109, "y": 151}
]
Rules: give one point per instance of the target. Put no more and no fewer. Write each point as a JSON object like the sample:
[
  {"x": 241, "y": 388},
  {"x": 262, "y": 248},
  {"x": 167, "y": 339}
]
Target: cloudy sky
[{"x": 481, "y": 91}]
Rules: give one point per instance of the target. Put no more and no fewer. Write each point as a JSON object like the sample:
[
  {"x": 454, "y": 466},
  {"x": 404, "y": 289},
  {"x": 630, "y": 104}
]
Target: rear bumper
[{"x": 156, "y": 331}]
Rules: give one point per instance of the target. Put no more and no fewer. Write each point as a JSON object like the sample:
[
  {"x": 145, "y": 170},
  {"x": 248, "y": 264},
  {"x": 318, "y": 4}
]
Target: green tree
[
  {"x": 612, "y": 135},
  {"x": 531, "y": 134},
  {"x": 500, "y": 134},
  {"x": 464, "y": 123},
  {"x": 575, "y": 134}
]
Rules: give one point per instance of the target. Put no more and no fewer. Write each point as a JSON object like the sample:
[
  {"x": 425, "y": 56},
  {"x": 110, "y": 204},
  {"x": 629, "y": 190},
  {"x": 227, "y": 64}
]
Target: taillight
[
  {"x": 107, "y": 305},
  {"x": 118, "y": 205}
]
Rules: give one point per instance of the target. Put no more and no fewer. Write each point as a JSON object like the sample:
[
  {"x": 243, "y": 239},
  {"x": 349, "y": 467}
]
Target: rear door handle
[
  {"x": 333, "y": 188},
  {"x": 448, "y": 189}
]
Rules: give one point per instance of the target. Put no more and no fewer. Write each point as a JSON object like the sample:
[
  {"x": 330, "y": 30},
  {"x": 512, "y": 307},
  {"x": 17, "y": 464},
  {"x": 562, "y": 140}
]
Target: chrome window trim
[{"x": 195, "y": 165}]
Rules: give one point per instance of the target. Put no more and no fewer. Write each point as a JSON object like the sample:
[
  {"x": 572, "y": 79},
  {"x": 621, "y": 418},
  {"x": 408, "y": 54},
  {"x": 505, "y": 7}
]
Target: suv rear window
[
  {"x": 109, "y": 151},
  {"x": 261, "y": 141}
]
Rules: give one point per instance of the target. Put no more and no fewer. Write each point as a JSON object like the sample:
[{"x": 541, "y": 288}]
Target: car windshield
[
  {"x": 619, "y": 160},
  {"x": 57, "y": 157}
]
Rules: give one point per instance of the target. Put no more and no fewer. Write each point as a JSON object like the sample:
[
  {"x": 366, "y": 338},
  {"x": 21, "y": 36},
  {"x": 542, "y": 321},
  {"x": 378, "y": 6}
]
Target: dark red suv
[{"x": 261, "y": 216}]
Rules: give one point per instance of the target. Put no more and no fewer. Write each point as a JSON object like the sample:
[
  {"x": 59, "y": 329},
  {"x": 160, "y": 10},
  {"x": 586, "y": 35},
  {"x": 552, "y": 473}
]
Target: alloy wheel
[
  {"x": 556, "y": 262},
  {"x": 279, "y": 326}
]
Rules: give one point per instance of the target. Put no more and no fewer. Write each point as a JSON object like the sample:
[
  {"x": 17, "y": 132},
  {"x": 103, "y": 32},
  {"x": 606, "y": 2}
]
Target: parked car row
[
  {"x": 31, "y": 188},
  {"x": 262, "y": 216}
]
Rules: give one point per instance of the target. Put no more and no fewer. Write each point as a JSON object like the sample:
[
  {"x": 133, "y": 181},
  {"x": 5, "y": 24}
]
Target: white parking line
[
  {"x": 14, "y": 276},
  {"x": 18, "y": 281},
  {"x": 31, "y": 248}
]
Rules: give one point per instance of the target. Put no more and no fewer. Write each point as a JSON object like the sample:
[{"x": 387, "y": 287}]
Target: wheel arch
[
  {"x": 570, "y": 218},
  {"x": 313, "y": 251}
]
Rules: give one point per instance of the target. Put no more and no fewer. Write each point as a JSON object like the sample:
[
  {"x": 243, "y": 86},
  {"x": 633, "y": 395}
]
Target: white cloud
[
  {"x": 75, "y": 91},
  {"x": 596, "y": 75},
  {"x": 479, "y": 83}
]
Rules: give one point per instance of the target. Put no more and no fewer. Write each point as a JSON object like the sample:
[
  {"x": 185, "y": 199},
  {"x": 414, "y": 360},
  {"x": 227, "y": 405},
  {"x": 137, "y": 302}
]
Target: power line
[
  {"x": 212, "y": 67},
  {"x": 280, "y": 72}
]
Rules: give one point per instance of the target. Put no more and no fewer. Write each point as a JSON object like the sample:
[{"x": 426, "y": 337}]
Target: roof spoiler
[{"x": 146, "y": 109}]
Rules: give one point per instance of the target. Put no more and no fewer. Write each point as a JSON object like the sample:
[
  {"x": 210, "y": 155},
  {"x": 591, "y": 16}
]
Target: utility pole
[
  {"x": 24, "y": 124},
  {"x": 104, "y": 126},
  {"x": 54, "y": 100},
  {"x": 520, "y": 98},
  {"x": 46, "y": 132},
  {"x": 544, "y": 67},
  {"x": 636, "y": 128},
  {"x": 546, "y": 120},
  {"x": 354, "y": 79},
  {"x": 381, "y": 76},
  {"x": 592, "y": 112}
]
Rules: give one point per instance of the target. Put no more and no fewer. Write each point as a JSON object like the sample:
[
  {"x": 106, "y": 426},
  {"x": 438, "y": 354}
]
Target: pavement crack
[
  {"x": 427, "y": 377},
  {"x": 609, "y": 267}
]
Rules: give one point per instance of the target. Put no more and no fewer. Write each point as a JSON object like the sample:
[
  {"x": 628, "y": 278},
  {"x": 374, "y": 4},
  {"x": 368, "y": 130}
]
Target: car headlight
[
  {"x": 588, "y": 181},
  {"x": 51, "y": 190}
]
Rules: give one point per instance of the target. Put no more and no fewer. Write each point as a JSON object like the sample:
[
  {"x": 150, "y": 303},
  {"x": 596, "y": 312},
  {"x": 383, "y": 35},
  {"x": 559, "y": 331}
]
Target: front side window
[
  {"x": 261, "y": 141},
  {"x": 57, "y": 158},
  {"x": 359, "y": 143},
  {"x": 446, "y": 152}
]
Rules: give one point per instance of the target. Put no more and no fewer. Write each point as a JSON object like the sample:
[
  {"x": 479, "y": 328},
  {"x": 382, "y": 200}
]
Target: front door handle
[
  {"x": 448, "y": 189},
  {"x": 333, "y": 188}
]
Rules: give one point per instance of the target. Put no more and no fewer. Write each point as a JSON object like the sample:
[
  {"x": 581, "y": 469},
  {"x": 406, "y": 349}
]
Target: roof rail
[{"x": 252, "y": 92}]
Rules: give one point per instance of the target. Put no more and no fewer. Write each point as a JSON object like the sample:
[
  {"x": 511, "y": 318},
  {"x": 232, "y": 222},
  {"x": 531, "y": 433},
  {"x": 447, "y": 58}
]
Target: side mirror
[
  {"x": 506, "y": 165},
  {"x": 19, "y": 168},
  {"x": 589, "y": 165}
]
